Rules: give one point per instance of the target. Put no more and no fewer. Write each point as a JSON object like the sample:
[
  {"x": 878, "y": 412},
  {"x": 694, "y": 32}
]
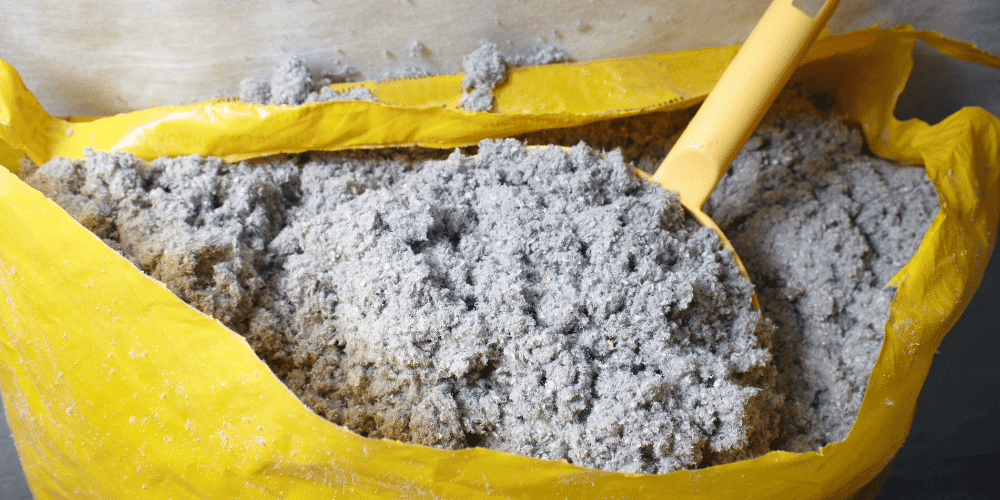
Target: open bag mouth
[{"x": 117, "y": 388}]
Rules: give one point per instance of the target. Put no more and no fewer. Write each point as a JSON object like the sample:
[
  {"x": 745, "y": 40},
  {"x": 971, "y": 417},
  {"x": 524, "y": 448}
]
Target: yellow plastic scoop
[{"x": 738, "y": 101}]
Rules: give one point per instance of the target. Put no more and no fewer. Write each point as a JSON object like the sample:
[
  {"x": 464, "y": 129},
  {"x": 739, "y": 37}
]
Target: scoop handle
[{"x": 739, "y": 99}]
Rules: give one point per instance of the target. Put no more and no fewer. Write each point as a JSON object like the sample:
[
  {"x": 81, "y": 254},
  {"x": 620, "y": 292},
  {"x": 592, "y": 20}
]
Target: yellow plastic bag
[{"x": 114, "y": 388}]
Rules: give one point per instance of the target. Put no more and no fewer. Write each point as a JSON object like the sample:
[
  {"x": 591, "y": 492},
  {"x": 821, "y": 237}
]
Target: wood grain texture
[{"x": 98, "y": 57}]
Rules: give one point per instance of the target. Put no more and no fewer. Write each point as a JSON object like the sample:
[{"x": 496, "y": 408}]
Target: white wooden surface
[{"x": 97, "y": 57}]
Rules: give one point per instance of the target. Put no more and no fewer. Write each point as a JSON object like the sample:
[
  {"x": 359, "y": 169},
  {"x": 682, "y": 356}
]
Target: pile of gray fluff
[
  {"x": 821, "y": 227},
  {"x": 544, "y": 302}
]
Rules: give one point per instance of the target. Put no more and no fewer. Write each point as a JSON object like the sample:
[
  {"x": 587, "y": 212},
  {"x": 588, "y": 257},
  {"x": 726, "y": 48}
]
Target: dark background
[{"x": 953, "y": 450}]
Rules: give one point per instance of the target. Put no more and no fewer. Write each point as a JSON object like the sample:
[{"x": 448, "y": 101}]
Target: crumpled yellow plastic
[{"x": 114, "y": 388}]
